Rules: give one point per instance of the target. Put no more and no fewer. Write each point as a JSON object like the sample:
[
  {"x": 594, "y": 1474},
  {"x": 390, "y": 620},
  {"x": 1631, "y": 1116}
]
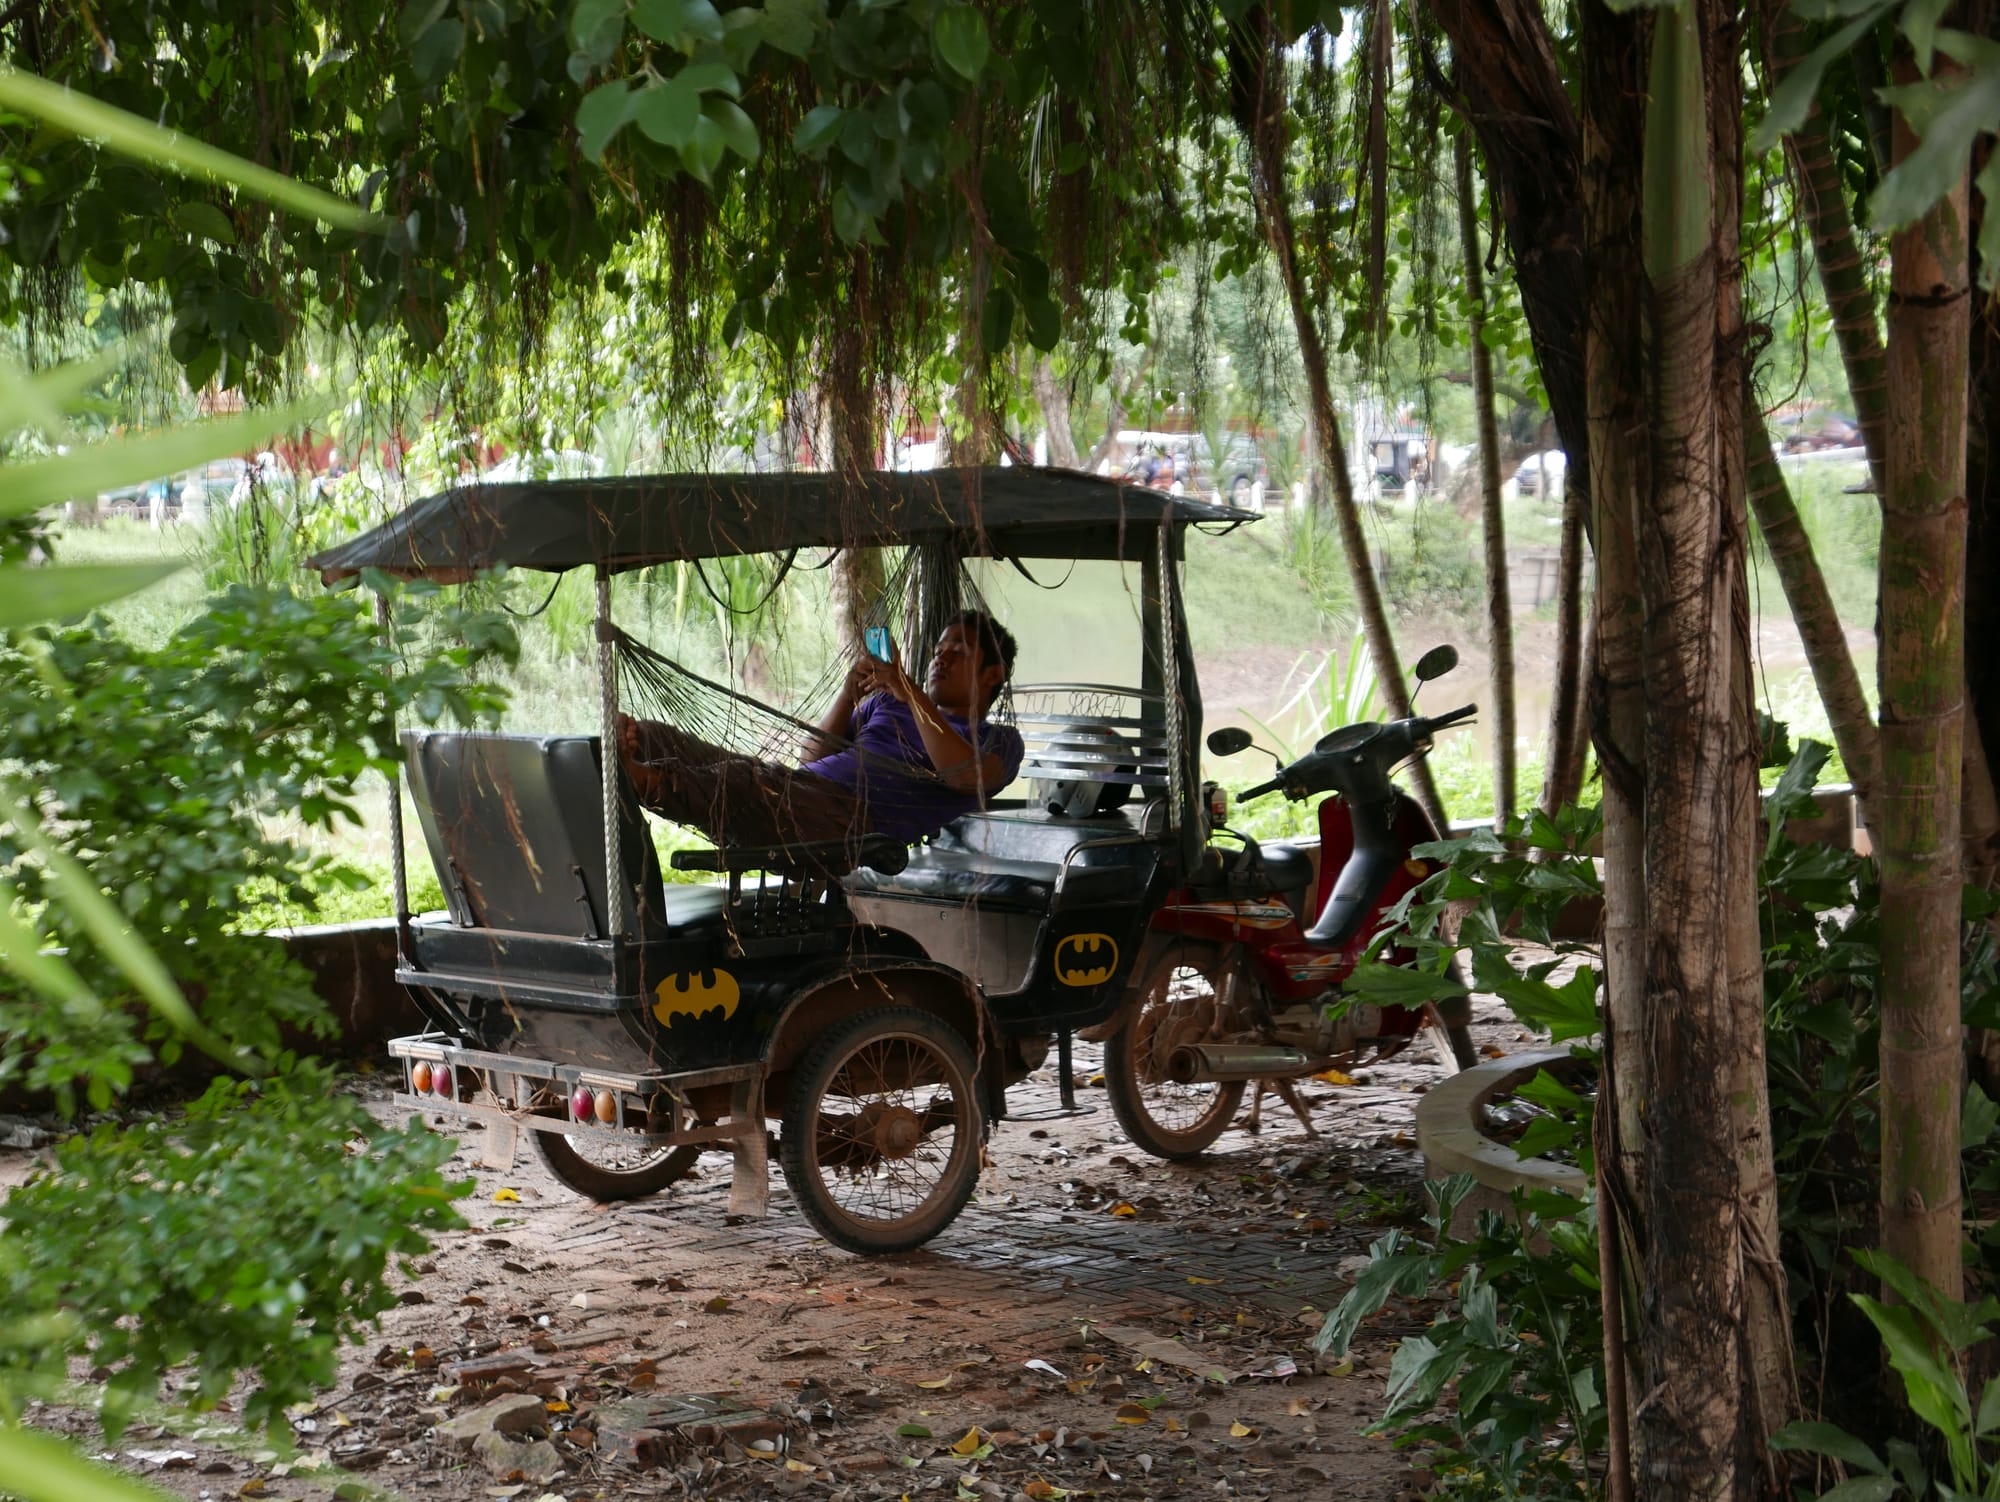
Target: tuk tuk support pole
[
  {"x": 398, "y": 874},
  {"x": 616, "y": 897}
]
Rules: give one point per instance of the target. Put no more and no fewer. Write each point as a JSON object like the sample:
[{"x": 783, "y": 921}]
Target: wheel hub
[{"x": 896, "y": 1131}]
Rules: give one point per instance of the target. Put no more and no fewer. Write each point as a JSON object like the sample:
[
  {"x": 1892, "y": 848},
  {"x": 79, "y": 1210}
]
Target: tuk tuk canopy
[{"x": 635, "y": 521}]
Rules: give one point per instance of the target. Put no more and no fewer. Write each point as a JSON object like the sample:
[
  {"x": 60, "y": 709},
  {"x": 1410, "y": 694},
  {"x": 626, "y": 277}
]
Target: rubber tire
[
  {"x": 1121, "y": 1081},
  {"x": 606, "y": 1185},
  {"x": 810, "y": 1079}
]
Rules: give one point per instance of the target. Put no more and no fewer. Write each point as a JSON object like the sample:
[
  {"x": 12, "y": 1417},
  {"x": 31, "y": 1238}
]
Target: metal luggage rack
[{"x": 795, "y": 900}]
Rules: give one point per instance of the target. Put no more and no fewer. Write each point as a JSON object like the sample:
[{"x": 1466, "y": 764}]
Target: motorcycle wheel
[
  {"x": 1456, "y": 1013},
  {"x": 1178, "y": 997},
  {"x": 882, "y": 1131},
  {"x": 609, "y": 1171}
]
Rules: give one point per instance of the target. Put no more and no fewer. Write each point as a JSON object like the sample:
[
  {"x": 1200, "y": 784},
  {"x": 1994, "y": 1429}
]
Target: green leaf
[
  {"x": 666, "y": 112},
  {"x": 41, "y": 400},
  {"x": 1828, "y": 1439},
  {"x": 437, "y": 51},
  {"x": 712, "y": 78},
  {"x": 912, "y": 1431},
  {"x": 418, "y": 17},
  {"x": 204, "y": 219},
  {"x": 1962, "y": 112},
  {"x": 792, "y": 25},
  {"x": 1989, "y": 1408},
  {"x": 57, "y": 592},
  {"x": 1389, "y": 1271},
  {"x": 129, "y": 136},
  {"x": 960, "y": 34},
  {"x": 1919, "y": 23},
  {"x": 703, "y": 154},
  {"x": 1862, "y": 1489},
  {"x": 996, "y": 320},
  {"x": 39, "y": 1467},
  {"x": 601, "y": 115},
  {"x": 849, "y": 221},
  {"x": 679, "y": 23},
  {"x": 819, "y": 129},
  {"x": 1977, "y": 1117},
  {"x": 1044, "y": 321},
  {"x": 126, "y": 461},
  {"x": 1792, "y": 100},
  {"x": 590, "y": 26},
  {"x": 1989, "y": 229},
  {"x": 738, "y": 133},
  {"x": 1389, "y": 985},
  {"x": 21, "y": 951}
]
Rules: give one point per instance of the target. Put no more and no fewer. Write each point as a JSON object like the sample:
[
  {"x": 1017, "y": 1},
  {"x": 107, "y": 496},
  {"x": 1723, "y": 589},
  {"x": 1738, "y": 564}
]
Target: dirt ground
[{"x": 1095, "y": 1324}]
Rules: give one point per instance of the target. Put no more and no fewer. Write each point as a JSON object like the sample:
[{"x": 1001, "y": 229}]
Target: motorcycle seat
[{"x": 1289, "y": 866}]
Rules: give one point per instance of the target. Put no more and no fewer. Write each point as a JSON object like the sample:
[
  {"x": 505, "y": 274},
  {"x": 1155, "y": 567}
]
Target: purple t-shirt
[{"x": 908, "y": 805}]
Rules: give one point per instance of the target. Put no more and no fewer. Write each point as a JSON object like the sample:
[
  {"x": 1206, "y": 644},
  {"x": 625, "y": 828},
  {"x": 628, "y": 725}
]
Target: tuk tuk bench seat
[{"x": 1018, "y": 859}]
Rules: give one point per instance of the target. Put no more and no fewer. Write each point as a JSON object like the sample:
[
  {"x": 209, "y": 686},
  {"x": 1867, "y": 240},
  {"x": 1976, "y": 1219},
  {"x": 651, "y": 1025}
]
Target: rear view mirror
[
  {"x": 1436, "y": 663},
  {"x": 1229, "y": 740}
]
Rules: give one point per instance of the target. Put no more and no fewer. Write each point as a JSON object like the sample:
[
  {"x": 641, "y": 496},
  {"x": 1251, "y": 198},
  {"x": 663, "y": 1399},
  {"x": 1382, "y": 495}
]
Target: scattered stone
[
  {"x": 535, "y": 1460},
  {"x": 520, "y": 1414},
  {"x": 480, "y": 1370}
]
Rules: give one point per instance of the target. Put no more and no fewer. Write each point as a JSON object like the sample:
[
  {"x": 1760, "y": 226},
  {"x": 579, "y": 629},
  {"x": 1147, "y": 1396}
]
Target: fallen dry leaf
[
  {"x": 718, "y": 1305},
  {"x": 970, "y": 1441},
  {"x": 1123, "y": 1210},
  {"x": 1204, "y": 1282},
  {"x": 1334, "y": 1077},
  {"x": 1132, "y": 1413},
  {"x": 936, "y": 1382},
  {"x": 1241, "y": 1430},
  {"x": 1042, "y": 1491},
  {"x": 506, "y": 1197}
]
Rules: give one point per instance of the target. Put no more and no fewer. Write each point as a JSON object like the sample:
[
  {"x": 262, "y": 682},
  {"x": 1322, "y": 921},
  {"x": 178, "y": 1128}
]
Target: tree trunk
[
  {"x": 1499, "y": 607},
  {"x": 1258, "y": 95},
  {"x": 1054, "y": 399},
  {"x": 853, "y": 410},
  {"x": 1922, "y": 685},
  {"x": 1562, "y": 773},
  {"x": 1843, "y": 277},
  {"x": 1613, "y": 83},
  {"x": 1519, "y": 105},
  {"x": 1767, "y": 1338},
  {"x": 1825, "y": 639},
  {"x": 1692, "y": 1421}
]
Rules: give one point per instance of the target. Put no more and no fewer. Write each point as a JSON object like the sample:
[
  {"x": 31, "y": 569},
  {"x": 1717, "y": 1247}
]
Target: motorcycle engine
[{"x": 1307, "y": 1027}]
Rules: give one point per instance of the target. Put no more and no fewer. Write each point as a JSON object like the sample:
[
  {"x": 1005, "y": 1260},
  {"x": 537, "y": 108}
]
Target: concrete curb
[{"x": 1449, "y": 1136}]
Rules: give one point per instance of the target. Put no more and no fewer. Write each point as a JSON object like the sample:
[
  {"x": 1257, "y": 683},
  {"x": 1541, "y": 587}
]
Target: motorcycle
[{"x": 1244, "y": 962}]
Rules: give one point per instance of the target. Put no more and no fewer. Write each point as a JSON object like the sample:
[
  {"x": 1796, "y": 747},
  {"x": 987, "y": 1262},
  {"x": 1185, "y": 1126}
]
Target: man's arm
[{"x": 837, "y": 727}]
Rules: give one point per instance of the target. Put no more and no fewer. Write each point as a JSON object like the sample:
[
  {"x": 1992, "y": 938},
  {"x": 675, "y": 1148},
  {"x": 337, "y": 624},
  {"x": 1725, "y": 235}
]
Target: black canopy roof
[{"x": 632, "y": 521}]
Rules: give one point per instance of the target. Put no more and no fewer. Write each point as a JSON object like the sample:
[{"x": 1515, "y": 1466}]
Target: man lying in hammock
[{"x": 891, "y": 757}]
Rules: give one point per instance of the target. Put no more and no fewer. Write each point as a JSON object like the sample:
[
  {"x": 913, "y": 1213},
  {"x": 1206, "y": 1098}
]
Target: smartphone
[{"x": 877, "y": 641}]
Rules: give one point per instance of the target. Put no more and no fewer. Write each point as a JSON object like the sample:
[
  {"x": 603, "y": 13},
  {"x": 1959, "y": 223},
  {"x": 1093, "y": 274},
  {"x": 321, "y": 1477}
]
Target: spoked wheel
[
  {"x": 1179, "y": 1004},
  {"x": 607, "y": 1169},
  {"x": 882, "y": 1132}
]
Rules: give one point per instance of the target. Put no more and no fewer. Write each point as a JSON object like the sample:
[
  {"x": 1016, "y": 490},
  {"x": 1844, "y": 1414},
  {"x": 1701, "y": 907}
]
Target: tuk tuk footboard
[{"x": 607, "y": 1134}]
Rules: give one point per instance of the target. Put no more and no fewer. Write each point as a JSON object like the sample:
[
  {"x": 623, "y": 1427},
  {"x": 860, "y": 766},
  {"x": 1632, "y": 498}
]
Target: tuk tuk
[{"x": 875, "y": 999}]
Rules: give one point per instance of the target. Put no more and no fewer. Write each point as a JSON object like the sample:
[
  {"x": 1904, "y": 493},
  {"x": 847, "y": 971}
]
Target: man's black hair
[{"x": 996, "y": 642}]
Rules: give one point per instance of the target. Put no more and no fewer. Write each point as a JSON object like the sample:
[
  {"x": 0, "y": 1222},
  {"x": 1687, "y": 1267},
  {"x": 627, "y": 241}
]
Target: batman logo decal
[
  {"x": 1086, "y": 960},
  {"x": 697, "y": 995}
]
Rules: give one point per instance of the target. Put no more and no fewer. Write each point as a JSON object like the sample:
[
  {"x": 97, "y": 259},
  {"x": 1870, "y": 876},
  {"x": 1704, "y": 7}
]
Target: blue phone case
[{"x": 877, "y": 639}]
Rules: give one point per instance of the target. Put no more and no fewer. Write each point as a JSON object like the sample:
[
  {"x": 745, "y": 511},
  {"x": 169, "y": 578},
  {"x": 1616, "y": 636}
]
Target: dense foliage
[
  {"x": 252, "y": 1234},
  {"x": 164, "y": 772}
]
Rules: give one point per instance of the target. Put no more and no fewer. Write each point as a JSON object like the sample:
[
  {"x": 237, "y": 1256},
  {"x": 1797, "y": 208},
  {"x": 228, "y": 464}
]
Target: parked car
[{"x": 1551, "y": 464}]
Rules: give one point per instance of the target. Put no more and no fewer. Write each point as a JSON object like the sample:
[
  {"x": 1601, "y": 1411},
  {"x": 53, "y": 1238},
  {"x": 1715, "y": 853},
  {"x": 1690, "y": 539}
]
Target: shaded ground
[{"x": 1168, "y": 1311}]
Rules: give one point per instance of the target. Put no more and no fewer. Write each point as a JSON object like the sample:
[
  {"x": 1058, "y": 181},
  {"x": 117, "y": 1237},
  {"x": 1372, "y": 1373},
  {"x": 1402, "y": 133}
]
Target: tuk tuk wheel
[
  {"x": 1178, "y": 1000},
  {"x": 882, "y": 1132},
  {"x": 612, "y": 1171}
]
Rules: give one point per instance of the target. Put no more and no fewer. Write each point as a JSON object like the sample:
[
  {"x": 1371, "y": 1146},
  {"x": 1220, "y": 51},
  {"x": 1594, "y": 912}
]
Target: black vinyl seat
[
  {"x": 515, "y": 828},
  {"x": 1015, "y": 859},
  {"x": 1289, "y": 868}
]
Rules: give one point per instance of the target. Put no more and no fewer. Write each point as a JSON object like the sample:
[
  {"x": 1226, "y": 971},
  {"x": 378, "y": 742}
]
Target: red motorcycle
[{"x": 1241, "y": 964}]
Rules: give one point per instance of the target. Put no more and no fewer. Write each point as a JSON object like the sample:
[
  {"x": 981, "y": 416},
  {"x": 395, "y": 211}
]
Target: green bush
[
  {"x": 252, "y": 1234},
  {"x": 161, "y": 772}
]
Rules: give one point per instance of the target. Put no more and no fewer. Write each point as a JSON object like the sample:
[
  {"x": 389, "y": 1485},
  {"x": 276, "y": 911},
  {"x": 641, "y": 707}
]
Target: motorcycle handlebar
[
  {"x": 1452, "y": 717},
  {"x": 1260, "y": 790}
]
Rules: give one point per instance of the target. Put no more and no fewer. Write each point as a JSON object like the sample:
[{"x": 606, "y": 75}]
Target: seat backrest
[
  {"x": 1071, "y": 732},
  {"x": 515, "y": 828}
]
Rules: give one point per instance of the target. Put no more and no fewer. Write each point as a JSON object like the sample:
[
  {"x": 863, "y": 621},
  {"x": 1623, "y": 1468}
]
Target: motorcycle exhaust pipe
[{"x": 1216, "y": 1063}]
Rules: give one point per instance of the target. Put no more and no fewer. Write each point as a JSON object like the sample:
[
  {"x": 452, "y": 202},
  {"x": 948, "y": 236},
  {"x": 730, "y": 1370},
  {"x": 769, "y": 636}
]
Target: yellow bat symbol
[
  {"x": 1086, "y": 960},
  {"x": 696, "y": 995}
]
